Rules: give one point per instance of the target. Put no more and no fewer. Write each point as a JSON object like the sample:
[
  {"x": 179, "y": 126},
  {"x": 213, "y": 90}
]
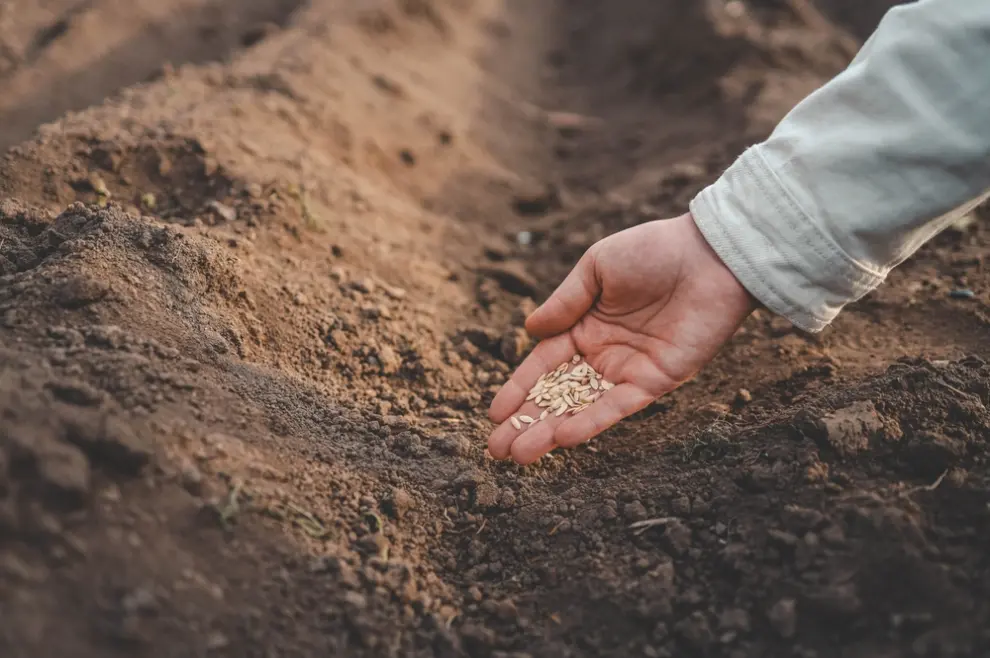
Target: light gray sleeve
[{"x": 863, "y": 171}]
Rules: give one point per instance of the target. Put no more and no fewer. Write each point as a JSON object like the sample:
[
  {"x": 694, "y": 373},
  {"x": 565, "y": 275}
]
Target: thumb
[{"x": 569, "y": 302}]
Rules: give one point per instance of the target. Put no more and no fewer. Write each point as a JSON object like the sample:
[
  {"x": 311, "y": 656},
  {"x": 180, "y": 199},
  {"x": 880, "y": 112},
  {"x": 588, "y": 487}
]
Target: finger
[
  {"x": 617, "y": 403},
  {"x": 569, "y": 302},
  {"x": 546, "y": 356},
  {"x": 535, "y": 442},
  {"x": 505, "y": 435},
  {"x": 532, "y": 441}
]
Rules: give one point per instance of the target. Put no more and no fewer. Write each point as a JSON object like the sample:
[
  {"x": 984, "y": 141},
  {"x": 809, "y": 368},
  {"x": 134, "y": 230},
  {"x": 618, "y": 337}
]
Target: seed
[
  {"x": 515, "y": 422},
  {"x": 559, "y": 391}
]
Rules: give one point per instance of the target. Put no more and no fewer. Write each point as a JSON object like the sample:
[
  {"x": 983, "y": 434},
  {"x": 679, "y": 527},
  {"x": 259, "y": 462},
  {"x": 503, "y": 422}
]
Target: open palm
[{"x": 647, "y": 308}]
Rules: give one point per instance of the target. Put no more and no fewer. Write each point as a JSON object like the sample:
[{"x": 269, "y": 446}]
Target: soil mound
[{"x": 263, "y": 274}]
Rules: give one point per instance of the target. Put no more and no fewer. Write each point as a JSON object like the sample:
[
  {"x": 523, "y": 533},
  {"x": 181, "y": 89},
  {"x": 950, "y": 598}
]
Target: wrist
[{"x": 717, "y": 268}]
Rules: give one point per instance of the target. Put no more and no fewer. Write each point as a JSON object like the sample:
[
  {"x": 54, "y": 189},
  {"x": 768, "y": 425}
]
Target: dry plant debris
[{"x": 561, "y": 391}]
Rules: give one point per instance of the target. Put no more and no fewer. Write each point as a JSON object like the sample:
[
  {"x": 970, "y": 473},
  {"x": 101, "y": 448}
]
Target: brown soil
[{"x": 252, "y": 313}]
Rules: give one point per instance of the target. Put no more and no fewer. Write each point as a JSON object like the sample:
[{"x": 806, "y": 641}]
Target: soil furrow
[{"x": 252, "y": 312}]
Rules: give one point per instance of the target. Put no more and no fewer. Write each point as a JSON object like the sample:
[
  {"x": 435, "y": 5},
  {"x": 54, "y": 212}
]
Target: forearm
[{"x": 863, "y": 171}]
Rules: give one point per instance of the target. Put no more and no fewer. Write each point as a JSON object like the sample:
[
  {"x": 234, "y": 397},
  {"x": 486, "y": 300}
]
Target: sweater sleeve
[{"x": 863, "y": 171}]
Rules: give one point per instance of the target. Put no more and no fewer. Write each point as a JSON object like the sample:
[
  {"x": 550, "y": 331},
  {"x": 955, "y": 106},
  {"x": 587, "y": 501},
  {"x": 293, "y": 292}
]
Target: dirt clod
[
  {"x": 783, "y": 617},
  {"x": 634, "y": 511},
  {"x": 695, "y": 631},
  {"x": 734, "y": 619},
  {"x": 849, "y": 430},
  {"x": 108, "y": 440},
  {"x": 64, "y": 471},
  {"x": 514, "y": 345},
  {"x": 399, "y": 503},
  {"x": 536, "y": 201},
  {"x": 486, "y": 495}
]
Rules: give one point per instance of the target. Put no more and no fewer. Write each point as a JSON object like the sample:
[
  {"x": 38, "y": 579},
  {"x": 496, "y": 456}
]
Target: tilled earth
[{"x": 255, "y": 300}]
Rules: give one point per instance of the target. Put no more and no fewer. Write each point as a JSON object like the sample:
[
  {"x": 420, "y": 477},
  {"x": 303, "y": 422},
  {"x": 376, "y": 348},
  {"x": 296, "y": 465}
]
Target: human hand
[{"x": 647, "y": 307}]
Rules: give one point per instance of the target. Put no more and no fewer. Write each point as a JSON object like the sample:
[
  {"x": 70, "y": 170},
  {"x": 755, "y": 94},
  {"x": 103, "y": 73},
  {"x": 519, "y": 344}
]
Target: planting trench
[{"x": 255, "y": 299}]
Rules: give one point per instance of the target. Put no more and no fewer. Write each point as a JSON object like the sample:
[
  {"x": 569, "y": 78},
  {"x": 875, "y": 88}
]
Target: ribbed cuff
[{"x": 779, "y": 253}]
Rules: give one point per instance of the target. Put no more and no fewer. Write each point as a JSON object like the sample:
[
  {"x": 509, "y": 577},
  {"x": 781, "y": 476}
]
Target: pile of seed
[{"x": 562, "y": 391}]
